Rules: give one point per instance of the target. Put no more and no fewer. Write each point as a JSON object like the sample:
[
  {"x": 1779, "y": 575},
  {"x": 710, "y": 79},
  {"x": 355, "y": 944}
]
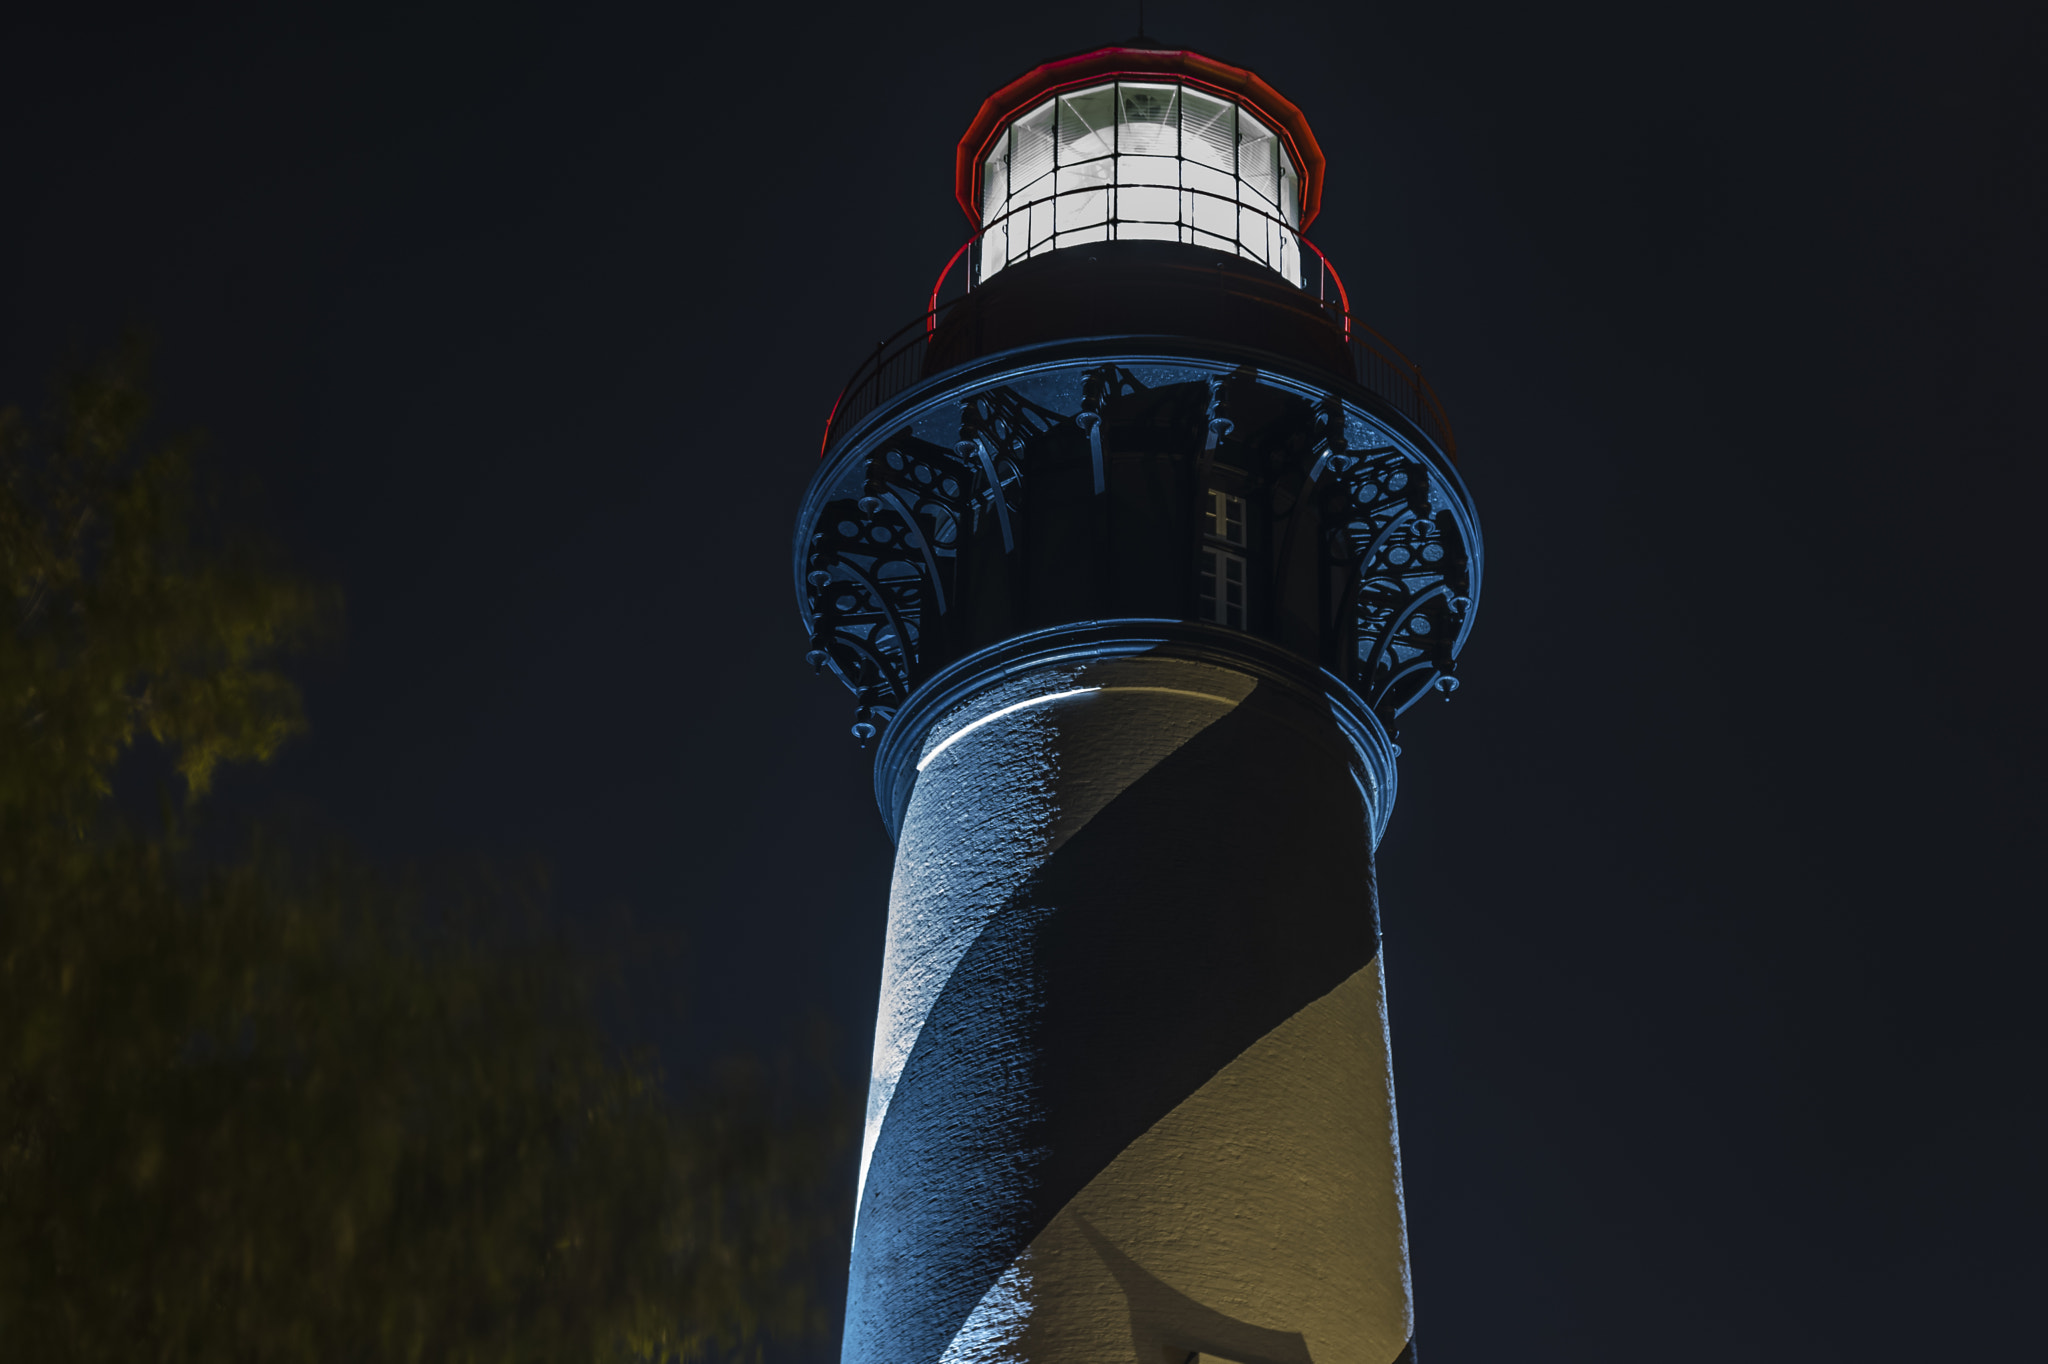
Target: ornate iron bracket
[
  {"x": 883, "y": 571},
  {"x": 1406, "y": 576}
]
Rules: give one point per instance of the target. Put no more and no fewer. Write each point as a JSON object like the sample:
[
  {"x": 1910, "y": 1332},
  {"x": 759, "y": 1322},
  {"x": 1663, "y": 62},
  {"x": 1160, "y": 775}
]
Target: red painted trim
[
  {"x": 825, "y": 441},
  {"x": 1112, "y": 63},
  {"x": 931, "y": 316}
]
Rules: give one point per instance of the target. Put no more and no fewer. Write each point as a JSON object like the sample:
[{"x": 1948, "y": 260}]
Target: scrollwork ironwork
[
  {"x": 885, "y": 560},
  {"x": 1398, "y": 620}
]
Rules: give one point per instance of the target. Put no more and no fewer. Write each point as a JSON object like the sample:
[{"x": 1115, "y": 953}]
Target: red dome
[{"x": 1108, "y": 63}]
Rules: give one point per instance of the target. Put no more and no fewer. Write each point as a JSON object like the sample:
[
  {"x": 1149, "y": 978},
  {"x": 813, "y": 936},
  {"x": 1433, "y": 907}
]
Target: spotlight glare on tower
[{"x": 1132, "y": 548}]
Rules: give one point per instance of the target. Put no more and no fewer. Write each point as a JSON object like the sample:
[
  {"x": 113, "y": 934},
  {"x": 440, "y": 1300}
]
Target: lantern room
[{"x": 1139, "y": 144}]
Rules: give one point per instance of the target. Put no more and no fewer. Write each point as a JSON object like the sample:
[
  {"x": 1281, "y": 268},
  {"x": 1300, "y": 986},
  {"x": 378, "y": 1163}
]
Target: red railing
[{"x": 899, "y": 361}]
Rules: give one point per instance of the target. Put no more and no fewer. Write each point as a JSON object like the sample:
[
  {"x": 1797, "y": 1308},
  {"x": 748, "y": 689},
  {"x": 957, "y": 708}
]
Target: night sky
[{"x": 1713, "y": 903}]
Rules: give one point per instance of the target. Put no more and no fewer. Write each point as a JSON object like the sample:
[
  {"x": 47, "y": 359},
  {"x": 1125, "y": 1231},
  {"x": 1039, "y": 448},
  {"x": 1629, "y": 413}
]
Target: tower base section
[{"x": 1131, "y": 1096}]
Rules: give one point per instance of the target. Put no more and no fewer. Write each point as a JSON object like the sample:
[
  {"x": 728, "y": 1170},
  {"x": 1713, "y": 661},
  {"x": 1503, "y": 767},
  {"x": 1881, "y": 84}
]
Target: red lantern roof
[{"x": 1139, "y": 63}]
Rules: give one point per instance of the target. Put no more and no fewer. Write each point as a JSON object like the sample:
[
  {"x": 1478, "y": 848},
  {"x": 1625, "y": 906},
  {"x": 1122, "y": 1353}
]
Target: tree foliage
[
  {"x": 258, "y": 1111},
  {"x": 125, "y": 620}
]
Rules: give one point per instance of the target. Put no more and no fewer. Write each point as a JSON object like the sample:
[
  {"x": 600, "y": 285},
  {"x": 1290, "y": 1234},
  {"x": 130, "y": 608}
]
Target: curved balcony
[{"x": 1129, "y": 281}]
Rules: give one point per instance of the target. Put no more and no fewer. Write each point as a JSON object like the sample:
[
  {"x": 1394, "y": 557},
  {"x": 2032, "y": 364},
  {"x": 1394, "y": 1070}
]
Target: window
[
  {"x": 1136, "y": 160},
  {"x": 1221, "y": 594},
  {"x": 1222, "y": 587},
  {"x": 1226, "y": 517}
]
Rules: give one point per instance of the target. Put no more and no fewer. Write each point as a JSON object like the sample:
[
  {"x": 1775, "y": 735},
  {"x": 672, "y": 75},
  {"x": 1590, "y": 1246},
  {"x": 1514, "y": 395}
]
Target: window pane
[
  {"x": 1211, "y": 204},
  {"x": 995, "y": 180},
  {"x": 1233, "y": 591},
  {"x": 1031, "y": 146},
  {"x": 994, "y": 251},
  {"x": 1087, "y": 175},
  {"x": 1147, "y": 170},
  {"x": 1150, "y": 115},
  {"x": 1042, "y": 217},
  {"x": 1087, "y": 124},
  {"x": 1208, "y": 131},
  {"x": 1025, "y": 192},
  {"x": 1220, "y": 588},
  {"x": 1256, "y": 164},
  {"x": 1255, "y": 236},
  {"x": 1084, "y": 196},
  {"x": 1147, "y": 204},
  {"x": 1088, "y": 208},
  {"x": 1225, "y": 516}
]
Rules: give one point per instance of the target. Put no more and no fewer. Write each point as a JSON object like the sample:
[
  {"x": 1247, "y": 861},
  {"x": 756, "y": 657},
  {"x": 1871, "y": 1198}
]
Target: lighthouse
[{"x": 1133, "y": 548}]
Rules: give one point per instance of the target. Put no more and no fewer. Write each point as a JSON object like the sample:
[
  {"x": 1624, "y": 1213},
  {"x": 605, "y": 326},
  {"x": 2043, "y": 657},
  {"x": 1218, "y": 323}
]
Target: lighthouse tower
[{"x": 1133, "y": 548}]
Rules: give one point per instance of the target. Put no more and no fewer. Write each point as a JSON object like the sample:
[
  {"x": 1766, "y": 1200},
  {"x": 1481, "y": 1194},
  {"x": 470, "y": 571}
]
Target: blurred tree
[{"x": 252, "y": 1112}]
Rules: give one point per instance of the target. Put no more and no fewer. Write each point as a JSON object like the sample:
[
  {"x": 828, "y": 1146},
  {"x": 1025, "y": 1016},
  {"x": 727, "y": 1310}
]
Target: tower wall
[{"x": 1131, "y": 1095}]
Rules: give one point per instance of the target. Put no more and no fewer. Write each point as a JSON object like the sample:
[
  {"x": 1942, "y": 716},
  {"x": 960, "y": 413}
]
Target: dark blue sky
[{"x": 1713, "y": 904}]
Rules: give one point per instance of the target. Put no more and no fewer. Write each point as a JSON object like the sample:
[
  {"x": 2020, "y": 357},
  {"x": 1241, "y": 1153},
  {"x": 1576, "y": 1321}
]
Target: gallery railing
[{"x": 1379, "y": 366}]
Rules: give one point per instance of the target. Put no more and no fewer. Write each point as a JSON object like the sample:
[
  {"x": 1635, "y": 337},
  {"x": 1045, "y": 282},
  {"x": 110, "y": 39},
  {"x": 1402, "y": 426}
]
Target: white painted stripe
[
  {"x": 957, "y": 735},
  {"x": 1265, "y": 1209}
]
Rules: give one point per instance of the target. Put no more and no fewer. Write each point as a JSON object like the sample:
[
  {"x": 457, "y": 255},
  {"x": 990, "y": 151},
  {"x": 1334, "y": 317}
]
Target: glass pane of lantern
[
  {"x": 995, "y": 180},
  {"x": 1087, "y": 124},
  {"x": 1084, "y": 201},
  {"x": 1098, "y": 233},
  {"x": 1157, "y": 204},
  {"x": 1258, "y": 232},
  {"x": 1031, "y": 155},
  {"x": 1081, "y": 203},
  {"x": 1147, "y": 170},
  {"x": 1150, "y": 119},
  {"x": 1042, "y": 218},
  {"x": 1257, "y": 166},
  {"x": 1208, "y": 131},
  {"x": 1097, "y": 174},
  {"x": 1211, "y": 198}
]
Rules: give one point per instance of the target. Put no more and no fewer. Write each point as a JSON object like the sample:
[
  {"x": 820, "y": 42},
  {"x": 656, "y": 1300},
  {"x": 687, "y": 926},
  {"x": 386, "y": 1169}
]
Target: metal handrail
[
  {"x": 891, "y": 358},
  {"x": 1370, "y": 353},
  {"x": 1378, "y": 364}
]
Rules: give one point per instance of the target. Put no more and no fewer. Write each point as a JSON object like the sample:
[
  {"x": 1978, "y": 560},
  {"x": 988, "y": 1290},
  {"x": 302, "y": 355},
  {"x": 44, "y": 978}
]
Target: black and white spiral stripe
[{"x": 1131, "y": 1094}]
